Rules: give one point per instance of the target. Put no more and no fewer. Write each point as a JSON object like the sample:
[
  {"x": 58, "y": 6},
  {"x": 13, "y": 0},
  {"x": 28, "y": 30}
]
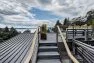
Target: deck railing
[
  {"x": 33, "y": 49},
  {"x": 84, "y": 50},
  {"x": 85, "y": 34},
  {"x": 66, "y": 46}
]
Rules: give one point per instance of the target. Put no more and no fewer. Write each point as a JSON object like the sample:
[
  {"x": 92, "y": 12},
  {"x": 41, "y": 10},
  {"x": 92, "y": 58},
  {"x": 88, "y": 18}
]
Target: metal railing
[
  {"x": 67, "y": 47},
  {"x": 84, "y": 50},
  {"x": 33, "y": 49}
]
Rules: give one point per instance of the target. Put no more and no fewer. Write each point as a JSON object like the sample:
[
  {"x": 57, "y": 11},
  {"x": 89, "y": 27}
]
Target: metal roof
[{"x": 15, "y": 49}]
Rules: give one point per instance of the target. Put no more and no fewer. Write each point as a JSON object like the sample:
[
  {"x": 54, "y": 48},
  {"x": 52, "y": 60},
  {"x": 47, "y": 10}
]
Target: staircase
[{"x": 48, "y": 53}]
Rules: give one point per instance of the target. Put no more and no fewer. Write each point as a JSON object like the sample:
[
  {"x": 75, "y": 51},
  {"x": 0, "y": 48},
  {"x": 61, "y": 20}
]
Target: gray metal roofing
[{"x": 15, "y": 49}]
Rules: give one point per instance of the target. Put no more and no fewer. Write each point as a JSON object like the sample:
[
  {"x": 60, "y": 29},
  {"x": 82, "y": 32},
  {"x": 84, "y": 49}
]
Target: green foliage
[
  {"x": 58, "y": 23},
  {"x": 78, "y": 23},
  {"x": 43, "y": 32},
  {"x": 63, "y": 26},
  {"x": 66, "y": 22},
  {"x": 5, "y": 33},
  {"x": 6, "y": 29},
  {"x": 44, "y": 28},
  {"x": 90, "y": 17},
  {"x": 48, "y": 30},
  {"x": 55, "y": 27},
  {"x": 13, "y": 32},
  {"x": 26, "y": 31}
]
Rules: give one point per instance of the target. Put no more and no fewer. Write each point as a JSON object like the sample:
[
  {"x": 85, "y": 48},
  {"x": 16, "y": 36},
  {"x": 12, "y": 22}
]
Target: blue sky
[
  {"x": 44, "y": 15},
  {"x": 26, "y": 13}
]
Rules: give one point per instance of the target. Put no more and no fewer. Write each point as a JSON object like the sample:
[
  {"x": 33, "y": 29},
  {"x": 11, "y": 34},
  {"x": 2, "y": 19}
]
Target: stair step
[
  {"x": 47, "y": 48},
  {"x": 48, "y": 55},
  {"x": 48, "y": 61},
  {"x": 48, "y": 44}
]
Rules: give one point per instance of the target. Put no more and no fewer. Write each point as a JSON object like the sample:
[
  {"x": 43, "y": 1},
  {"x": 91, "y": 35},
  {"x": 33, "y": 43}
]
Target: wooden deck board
[{"x": 51, "y": 37}]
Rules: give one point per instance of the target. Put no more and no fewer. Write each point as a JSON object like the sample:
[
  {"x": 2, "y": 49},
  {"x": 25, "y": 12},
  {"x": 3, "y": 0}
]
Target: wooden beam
[{"x": 31, "y": 50}]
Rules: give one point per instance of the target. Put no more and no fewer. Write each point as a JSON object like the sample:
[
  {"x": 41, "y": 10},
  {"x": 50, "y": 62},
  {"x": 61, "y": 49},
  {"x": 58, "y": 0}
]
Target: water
[{"x": 22, "y": 30}]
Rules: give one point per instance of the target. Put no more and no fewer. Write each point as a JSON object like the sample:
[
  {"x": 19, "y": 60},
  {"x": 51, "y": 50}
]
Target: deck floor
[{"x": 51, "y": 37}]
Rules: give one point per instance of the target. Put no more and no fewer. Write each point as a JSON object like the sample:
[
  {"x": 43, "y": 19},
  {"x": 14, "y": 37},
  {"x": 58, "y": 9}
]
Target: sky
[{"x": 31, "y": 13}]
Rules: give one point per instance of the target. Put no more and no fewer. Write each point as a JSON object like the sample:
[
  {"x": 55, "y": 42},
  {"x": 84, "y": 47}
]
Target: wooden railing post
[
  {"x": 73, "y": 31},
  {"x": 73, "y": 47},
  {"x": 38, "y": 34},
  {"x": 57, "y": 34},
  {"x": 67, "y": 35},
  {"x": 76, "y": 53}
]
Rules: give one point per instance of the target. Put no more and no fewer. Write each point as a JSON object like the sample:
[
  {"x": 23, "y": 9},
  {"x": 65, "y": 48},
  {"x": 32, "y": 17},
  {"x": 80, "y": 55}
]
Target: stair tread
[
  {"x": 47, "y": 42},
  {"x": 48, "y": 53},
  {"x": 44, "y": 47},
  {"x": 48, "y": 61}
]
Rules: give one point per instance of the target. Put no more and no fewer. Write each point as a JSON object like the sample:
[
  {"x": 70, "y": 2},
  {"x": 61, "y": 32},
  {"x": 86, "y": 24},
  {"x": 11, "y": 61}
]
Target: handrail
[
  {"x": 85, "y": 51},
  {"x": 31, "y": 48},
  {"x": 83, "y": 44},
  {"x": 67, "y": 48}
]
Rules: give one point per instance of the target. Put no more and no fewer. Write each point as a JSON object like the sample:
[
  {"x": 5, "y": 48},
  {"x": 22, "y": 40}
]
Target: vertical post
[
  {"x": 67, "y": 35},
  {"x": 30, "y": 61},
  {"x": 76, "y": 53},
  {"x": 73, "y": 46},
  {"x": 73, "y": 31},
  {"x": 57, "y": 35},
  {"x": 85, "y": 35},
  {"x": 38, "y": 34}
]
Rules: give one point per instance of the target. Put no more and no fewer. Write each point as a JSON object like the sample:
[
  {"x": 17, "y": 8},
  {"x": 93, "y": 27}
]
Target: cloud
[
  {"x": 17, "y": 12},
  {"x": 44, "y": 2},
  {"x": 67, "y": 8}
]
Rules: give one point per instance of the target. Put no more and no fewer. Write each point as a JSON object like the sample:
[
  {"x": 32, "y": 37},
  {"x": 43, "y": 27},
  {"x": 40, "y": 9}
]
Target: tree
[
  {"x": 79, "y": 23},
  {"x": 48, "y": 30},
  {"x": 27, "y": 31},
  {"x": 13, "y": 32},
  {"x": 58, "y": 23},
  {"x": 90, "y": 17},
  {"x": 90, "y": 20},
  {"x": 6, "y": 29},
  {"x": 1, "y": 30},
  {"x": 5, "y": 33},
  {"x": 55, "y": 27},
  {"x": 66, "y": 22}
]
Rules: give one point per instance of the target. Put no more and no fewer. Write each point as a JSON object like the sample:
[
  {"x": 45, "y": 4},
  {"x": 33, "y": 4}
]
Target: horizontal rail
[
  {"x": 67, "y": 48},
  {"x": 25, "y": 28},
  {"x": 82, "y": 44},
  {"x": 31, "y": 48},
  {"x": 85, "y": 56},
  {"x": 79, "y": 29},
  {"x": 87, "y": 50}
]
